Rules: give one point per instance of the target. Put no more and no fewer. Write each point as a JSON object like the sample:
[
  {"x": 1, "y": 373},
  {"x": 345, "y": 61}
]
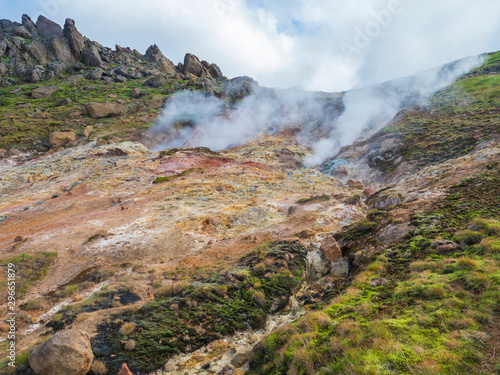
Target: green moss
[
  {"x": 213, "y": 304},
  {"x": 28, "y": 269},
  {"x": 315, "y": 199}
]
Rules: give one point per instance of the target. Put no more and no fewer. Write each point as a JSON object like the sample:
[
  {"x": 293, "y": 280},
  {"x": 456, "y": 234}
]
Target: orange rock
[
  {"x": 330, "y": 250},
  {"x": 125, "y": 370}
]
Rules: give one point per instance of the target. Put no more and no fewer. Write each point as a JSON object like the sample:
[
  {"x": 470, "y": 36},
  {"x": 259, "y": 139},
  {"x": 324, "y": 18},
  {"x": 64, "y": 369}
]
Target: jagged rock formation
[{"x": 36, "y": 52}]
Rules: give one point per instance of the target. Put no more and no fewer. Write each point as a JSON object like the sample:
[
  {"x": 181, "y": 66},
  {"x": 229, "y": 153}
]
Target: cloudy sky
[{"x": 328, "y": 45}]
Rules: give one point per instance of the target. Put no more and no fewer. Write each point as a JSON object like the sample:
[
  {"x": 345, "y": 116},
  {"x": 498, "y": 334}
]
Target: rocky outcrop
[
  {"x": 67, "y": 352},
  {"x": 192, "y": 65},
  {"x": 75, "y": 39},
  {"x": 30, "y": 26},
  {"x": 155, "y": 56},
  {"x": 101, "y": 110},
  {"x": 47, "y": 28},
  {"x": 32, "y": 49}
]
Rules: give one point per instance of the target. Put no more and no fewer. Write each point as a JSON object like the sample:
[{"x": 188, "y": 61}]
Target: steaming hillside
[{"x": 163, "y": 219}]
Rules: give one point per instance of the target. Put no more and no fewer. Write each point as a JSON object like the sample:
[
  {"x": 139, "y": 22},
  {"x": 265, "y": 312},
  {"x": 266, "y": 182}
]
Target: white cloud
[{"x": 292, "y": 43}]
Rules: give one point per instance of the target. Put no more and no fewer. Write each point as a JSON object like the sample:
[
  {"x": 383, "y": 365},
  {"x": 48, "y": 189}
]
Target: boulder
[
  {"x": 155, "y": 56},
  {"x": 96, "y": 74},
  {"x": 38, "y": 51},
  {"x": 239, "y": 87},
  {"x": 443, "y": 246},
  {"x": 136, "y": 93},
  {"x": 156, "y": 81},
  {"x": 7, "y": 26},
  {"x": 3, "y": 69},
  {"x": 44, "y": 92},
  {"x": 101, "y": 110},
  {"x": 88, "y": 130},
  {"x": 193, "y": 65},
  {"x": 356, "y": 184},
  {"x": 385, "y": 200},
  {"x": 74, "y": 79},
  {"x": 47, "y": 28},
  {"x": 240, "y": 359},
  {"x": 36, "y": 73},
  {"x": 215, "y": 71},
  {"x": 60, "y": 51},
  {"x": 340, "y": 268},
  {"x": 330, "y": 250},
  {"x": 67, "y": 352},
  {"x": 58, "y": 139},
  {"x": 316, "y": 265},
  {"x": 91, "y": 56},
  {"x": 375, "y": 283},
  {"x": 340, "y": 171},
  {"x": 306, "y": 233},
  {"x": 21, "y": 31},
  {"x": 75, "y": 39}
]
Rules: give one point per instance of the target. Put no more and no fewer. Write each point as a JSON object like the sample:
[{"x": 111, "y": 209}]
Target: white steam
[{"x": 325, "y": 122}]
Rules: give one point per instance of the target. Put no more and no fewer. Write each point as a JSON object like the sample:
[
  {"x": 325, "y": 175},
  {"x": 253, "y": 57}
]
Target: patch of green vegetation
[
  {"x": 456, "y": 119},
  {"x": 28, "y": 269},
  {"x": 184, "y": 319},
  {"x": 355, "y": 199},
  {"x": 315, "y": 199},
  {"x": 432, "y": 315},
  {"x": 163, "y": 179},
  {"x": 27, "y": 122},
  {"x": 173, "y": 151}
]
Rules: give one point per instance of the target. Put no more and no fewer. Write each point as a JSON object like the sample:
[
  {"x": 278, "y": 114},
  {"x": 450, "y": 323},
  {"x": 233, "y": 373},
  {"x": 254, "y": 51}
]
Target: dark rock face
[
  {"x": 30, "y": 26},
  {"x": 22, "y": 32},
  {"x": 47, "y": 28}
]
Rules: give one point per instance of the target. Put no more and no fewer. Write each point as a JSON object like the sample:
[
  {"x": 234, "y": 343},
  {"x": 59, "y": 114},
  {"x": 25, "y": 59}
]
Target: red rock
[
  {"x": 125, "y": 370},
  {"x": 330, "y": 250},
  {"x": 370, "y": 191}
]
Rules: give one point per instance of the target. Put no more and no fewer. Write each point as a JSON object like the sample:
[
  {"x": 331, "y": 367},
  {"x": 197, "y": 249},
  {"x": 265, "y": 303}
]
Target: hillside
[{"x": 187, "y": 260}]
